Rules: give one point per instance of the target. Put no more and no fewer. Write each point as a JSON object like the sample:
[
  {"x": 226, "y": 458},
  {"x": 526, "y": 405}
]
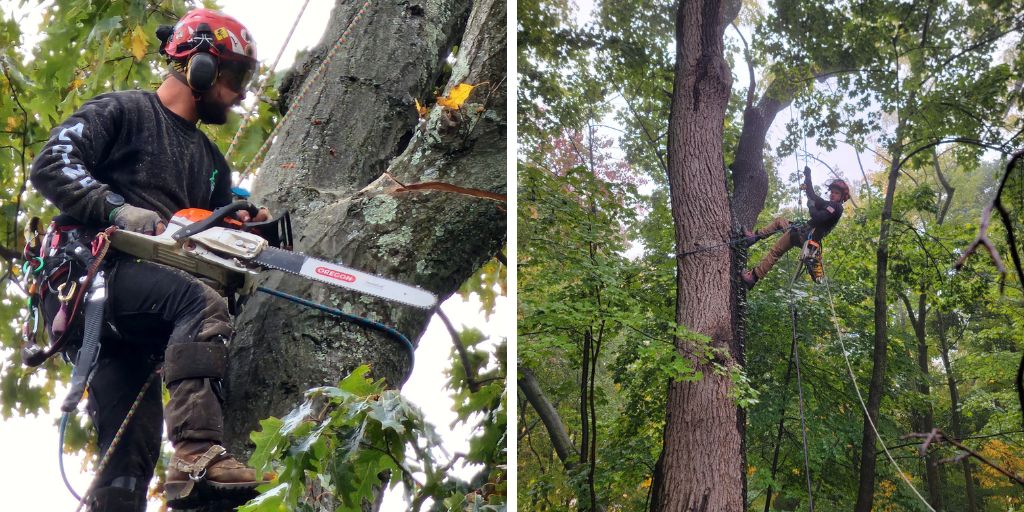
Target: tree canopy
[{"x": 879, "y": 89}]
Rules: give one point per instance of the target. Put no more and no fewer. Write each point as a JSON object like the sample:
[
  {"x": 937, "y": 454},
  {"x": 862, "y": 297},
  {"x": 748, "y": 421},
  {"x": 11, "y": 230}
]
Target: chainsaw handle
[{"x": 216, "y": 217}]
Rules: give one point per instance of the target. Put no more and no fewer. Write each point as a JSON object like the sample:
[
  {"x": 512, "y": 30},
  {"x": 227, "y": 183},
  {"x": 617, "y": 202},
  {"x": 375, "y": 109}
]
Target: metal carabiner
[{"x": 65, "y": 297}]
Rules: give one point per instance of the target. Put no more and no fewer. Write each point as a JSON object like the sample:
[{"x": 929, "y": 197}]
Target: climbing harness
[
  {"x": 197, "y": 241},
  {"x": 810, "y": 258}
]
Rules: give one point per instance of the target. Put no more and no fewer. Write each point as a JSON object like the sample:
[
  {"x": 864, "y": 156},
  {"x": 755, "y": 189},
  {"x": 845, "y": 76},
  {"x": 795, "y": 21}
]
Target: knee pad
[{"x": 195, "y": 361}]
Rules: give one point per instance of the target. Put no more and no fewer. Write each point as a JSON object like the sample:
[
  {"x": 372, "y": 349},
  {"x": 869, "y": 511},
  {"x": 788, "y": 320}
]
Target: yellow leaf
[
  {"x": 646, "y": 483},
  {"x": 457, "y": 96},
  {"x": 12, "y": 123},
  {"x": 139, "y": 43},
  {"x": 421, "y": 110}
]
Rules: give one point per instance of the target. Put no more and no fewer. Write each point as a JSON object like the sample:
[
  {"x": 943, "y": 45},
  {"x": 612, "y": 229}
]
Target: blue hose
[
  {"x": 348, "y": 317},
  {"x": 60, "y": 454}
]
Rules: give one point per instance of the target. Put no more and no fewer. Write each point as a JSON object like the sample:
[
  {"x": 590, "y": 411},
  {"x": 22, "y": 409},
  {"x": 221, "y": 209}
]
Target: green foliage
[
  {"x": 336, "y": 450},
  {"x": 885, "y": 77}
]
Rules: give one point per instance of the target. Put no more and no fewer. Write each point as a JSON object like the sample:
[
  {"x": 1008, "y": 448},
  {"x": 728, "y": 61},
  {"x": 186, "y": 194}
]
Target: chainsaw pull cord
[{"x": 348, "y": 317}]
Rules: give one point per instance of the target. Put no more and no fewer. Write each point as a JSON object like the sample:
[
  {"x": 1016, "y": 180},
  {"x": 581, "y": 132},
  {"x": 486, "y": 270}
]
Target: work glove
[
  {"x": 262, "y": 215},
  {"x": 139, "y": 220}
]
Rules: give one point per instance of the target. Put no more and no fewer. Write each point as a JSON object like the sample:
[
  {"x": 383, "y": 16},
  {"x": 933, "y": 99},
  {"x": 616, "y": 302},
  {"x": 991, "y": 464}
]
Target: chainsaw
[{"x": 216, "y": 246}]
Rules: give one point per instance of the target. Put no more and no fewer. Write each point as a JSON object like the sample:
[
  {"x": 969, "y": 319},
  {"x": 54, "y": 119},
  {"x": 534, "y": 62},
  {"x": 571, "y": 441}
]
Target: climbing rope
[
  {"x": 110, "y": 450},
  {"x": 263, "y": 83},
  {"x": 860, "y": 398},
  {"x": 730, "y": 243},
  {"x": 297, "y": 102},
  {"x": 800, "y": 392}
]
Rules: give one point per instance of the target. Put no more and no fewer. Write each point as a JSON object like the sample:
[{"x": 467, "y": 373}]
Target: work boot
[
  {"x": 750, "y": 237},
  {"x": 749, "y": 278},
  {"x": 202, "y": 471}
]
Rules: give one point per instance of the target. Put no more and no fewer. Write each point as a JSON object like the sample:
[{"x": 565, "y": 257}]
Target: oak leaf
[
  {"x": 457, "y": 96},
  {"x": 139, "y": 43}
]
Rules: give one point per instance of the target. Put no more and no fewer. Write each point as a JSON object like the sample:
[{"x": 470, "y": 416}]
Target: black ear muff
[{"x": 201, "y": 71}]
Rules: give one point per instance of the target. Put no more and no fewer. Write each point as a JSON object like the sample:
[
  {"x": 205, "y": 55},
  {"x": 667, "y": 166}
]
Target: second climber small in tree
[{"x": 825, "y": 214}]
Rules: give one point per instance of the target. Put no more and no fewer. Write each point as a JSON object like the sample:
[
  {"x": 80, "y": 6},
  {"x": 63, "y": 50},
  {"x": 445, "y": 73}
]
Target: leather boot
[{"x": 202, "y": 471}]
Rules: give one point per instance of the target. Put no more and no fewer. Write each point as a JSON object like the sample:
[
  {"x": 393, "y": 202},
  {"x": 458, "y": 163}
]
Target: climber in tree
[
  {"x": 133, "y": 158},
  {"x": 824, "y": 213}
]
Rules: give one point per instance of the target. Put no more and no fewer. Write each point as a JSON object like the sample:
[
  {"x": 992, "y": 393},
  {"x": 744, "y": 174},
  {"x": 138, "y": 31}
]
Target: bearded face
[{"x": 212, "y": 108}]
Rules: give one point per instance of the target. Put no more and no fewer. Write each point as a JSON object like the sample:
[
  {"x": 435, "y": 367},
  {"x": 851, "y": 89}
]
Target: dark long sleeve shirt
[
  {"x": 128, "y": 143},
  {"x": 825, "y": 214}
]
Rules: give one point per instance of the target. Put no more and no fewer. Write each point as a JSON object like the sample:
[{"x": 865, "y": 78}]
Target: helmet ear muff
[{"x": 201, "y": 71}]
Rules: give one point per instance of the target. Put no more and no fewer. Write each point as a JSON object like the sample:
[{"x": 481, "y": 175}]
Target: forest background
[
  {"x": 54, "y": 55},
  {"x": 872, "y": 92}
]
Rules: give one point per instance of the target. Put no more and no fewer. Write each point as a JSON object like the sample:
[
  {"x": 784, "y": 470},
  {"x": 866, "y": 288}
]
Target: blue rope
[
  {"x": 348, "y": 317},
  {"x": 60, "y": 455}
]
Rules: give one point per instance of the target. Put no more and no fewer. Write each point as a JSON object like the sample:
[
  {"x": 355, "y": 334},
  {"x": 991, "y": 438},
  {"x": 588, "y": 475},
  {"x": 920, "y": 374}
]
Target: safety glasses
[{"x": 238, "y": 75}]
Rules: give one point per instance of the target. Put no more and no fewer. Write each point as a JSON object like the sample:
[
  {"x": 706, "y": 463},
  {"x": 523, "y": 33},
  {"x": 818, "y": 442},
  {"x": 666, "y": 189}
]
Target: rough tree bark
[
  {"x": 700, "y": 467},
  {"x": 338, "y": 165}
]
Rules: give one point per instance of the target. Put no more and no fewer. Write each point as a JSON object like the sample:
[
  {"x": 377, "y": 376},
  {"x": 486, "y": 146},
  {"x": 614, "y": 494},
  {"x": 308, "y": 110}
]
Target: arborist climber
[
  {"x": 132, "y": 159},
  {"x": 825, "y": 215}
]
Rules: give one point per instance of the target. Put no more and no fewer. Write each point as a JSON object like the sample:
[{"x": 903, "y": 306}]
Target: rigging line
[
  {"x": 113, "y": 444},
  {"x": 308, "y": 82},
  {"x": 800, "y": 390},
  {"x": 297, "y": 103},
  {"x": 263, "y": 85},
  {"x": 864, "y": 407},
  {"x": 796, "y": 155},
  {"x": 730, "y": 242}
]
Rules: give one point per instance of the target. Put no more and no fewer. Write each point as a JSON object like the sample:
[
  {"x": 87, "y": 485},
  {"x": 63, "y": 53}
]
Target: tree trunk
[
  {"x": 879, "y": 356},
  {"x": 924, "y": 420},
  {"x": 700, "y": 467},
  {"x": 328, "y": 167},
  {"x": 954, "y": 412},
  {"x": 749, "y": 176}
]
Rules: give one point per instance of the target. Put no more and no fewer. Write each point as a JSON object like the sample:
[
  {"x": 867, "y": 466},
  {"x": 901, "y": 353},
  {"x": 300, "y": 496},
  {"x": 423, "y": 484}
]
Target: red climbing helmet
[
  {"x": 204, "y": 43},
  {"x": 223, "y": 37},
  {"x": 842, "y": 188}
]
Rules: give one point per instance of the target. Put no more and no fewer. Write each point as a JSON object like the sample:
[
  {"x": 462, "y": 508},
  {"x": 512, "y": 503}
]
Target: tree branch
[
  {"x": 471, "y": 381},
  {"x": 552, "y": 421}
]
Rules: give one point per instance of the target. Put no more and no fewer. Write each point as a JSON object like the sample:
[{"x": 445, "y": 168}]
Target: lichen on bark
[{"x": 345, "y": 208}]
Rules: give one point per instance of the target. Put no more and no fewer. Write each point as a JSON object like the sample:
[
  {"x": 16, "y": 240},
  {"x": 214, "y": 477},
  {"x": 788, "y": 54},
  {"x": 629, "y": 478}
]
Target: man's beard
[{"x": 211, "y": 111}]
